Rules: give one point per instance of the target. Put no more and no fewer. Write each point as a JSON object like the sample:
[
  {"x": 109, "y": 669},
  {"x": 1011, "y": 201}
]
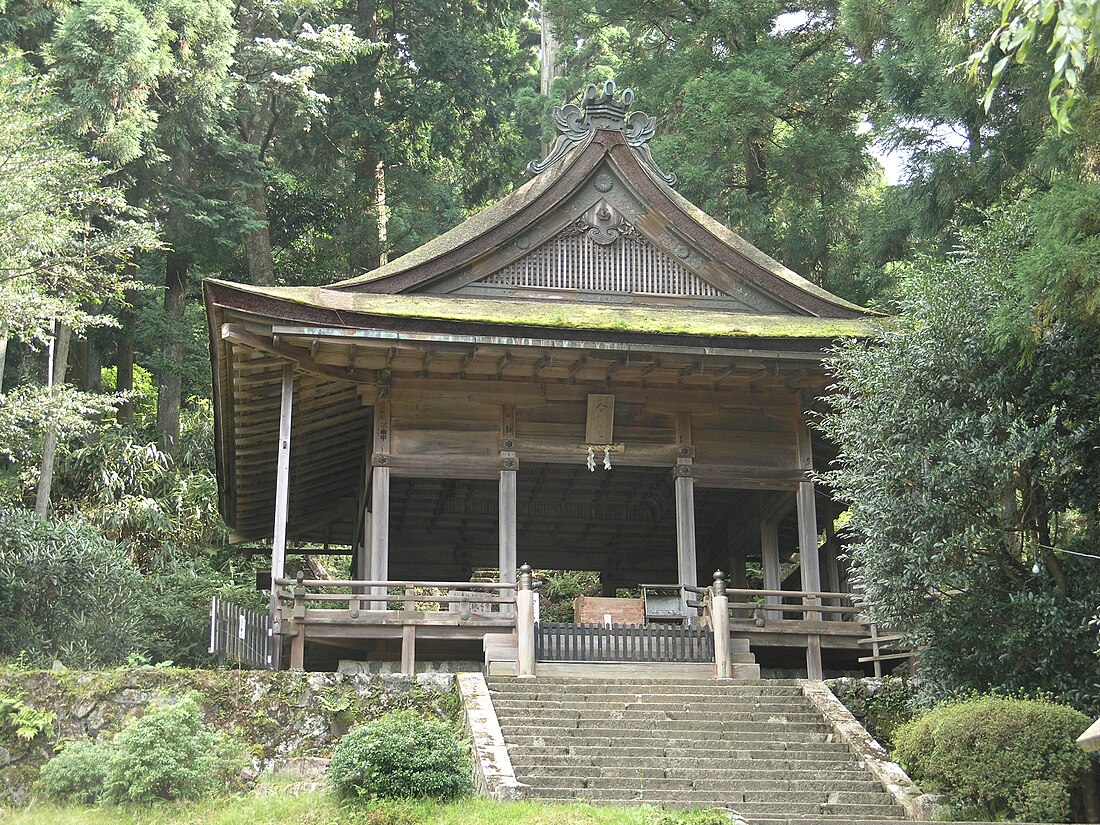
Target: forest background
[{"x": 147, "y": 144}]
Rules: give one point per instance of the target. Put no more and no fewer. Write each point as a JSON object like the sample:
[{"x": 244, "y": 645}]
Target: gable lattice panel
[{"x": 576, "y": 262}]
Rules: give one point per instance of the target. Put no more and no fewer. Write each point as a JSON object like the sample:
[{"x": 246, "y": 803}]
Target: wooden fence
[
  {"x": 240, "y": 635},
  {"x": 568, "y": 642}
]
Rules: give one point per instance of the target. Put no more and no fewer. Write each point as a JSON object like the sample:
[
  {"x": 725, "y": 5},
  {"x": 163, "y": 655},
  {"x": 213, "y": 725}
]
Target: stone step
[
  {"x": 699, "y": 732},
  {"x": 757, "y": 747},
  {"x": 733, "y": 794},
  {"x": 704, "y": 781},
  {"x": 735, "y": 747},
  {"x": 821, "y": 753},
  {"x": 600, "y": 704},
  {"x": 518, "y": 715},
  {"x": 750, "y": 810},
  {"x": 748, "y": 683},
  {"x": 747, "y": 687},
  {"x": 805, "y": 768}
]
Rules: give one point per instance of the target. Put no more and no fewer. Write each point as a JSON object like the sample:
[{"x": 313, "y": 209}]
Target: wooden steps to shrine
[{"x": 760, "y": 750}]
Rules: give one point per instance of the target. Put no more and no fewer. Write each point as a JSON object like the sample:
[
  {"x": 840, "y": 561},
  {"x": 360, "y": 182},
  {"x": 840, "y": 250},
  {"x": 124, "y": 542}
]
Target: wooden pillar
[
  {"x": 686, "y": 564},
  {"x": 282, "y": 501},
  {"x": 506, "y": 512},
  {"x": 525, "y": 624},
  {"x": 769, "y": 552},
  {"x": 720, "y": 625},
  {"x": 807, "y": 546},
  {"x": 380, "y": 500},
  {"x": 408, "y": 650}
]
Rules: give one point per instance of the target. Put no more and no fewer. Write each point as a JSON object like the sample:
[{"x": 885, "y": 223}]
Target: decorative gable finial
[{"x": 602, "y": 111}]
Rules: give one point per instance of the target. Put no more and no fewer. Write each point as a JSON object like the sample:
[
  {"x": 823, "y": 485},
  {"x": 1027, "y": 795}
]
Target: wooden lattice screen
[
  {"x": 568, "y": 642},
  {"x": 577, "y": 262}
]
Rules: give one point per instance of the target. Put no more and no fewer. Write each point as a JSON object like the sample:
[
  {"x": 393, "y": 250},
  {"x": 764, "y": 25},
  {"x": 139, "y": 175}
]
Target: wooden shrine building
[{"x": 591, "y": 374}]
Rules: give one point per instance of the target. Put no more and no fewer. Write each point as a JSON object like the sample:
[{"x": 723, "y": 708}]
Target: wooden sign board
[{"x": 600, "y": 424}]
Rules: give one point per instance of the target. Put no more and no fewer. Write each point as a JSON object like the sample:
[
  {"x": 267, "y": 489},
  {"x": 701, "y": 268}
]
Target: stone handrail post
[
  {"x": 720, "y": 624},
  {"x": 525, "y": 622}
]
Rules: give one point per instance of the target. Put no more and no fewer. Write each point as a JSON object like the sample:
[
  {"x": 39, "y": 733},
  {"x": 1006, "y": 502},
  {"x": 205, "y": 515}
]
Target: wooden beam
[{"x": 237, "y": 334}]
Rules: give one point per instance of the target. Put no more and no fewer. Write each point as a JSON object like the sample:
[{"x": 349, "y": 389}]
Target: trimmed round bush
[
  {"x": 400, "y": 756},
  {"x": 997, "y": 758}
]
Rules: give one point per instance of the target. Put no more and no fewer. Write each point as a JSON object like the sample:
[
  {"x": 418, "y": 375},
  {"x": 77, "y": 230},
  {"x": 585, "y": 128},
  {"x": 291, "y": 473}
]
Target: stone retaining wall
[{"x": 279, "y": 715}]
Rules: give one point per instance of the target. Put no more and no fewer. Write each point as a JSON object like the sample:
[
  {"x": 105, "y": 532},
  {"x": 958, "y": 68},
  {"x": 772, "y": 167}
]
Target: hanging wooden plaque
[{"x": 600, "y": 424}]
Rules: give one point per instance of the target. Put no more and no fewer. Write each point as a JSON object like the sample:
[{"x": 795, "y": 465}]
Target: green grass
[{"x": 323, "y": 809}]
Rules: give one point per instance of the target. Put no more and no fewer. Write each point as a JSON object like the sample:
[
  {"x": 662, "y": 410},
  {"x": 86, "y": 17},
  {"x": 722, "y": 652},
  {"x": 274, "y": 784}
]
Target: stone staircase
[{"x": 758, "y": 749}]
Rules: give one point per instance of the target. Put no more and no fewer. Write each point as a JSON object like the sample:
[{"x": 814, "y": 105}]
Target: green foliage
[
  {"x": 66, "y": 231},
  {"x": 881, "y": 706},
  {"x": 560, "y": 588},
  {"x": 169, "y": 753},
  {"x": 995, "y": 757},
  {"x": 1072, "y": 30},
  {"x": 967, "y": 464},
  {"x": 77, "y": 774},
  {"x": 401, "y": 755},
  {"x": 65, "y": 592},
  {"x": 26, "y": 720}
]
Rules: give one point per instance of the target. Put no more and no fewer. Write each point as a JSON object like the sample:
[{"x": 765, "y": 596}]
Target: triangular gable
[{"x": 602, "y": 257}]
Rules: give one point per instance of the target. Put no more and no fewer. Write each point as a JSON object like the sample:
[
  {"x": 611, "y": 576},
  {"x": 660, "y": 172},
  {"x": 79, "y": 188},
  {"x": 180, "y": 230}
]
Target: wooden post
[
  {"x": 408, "y": 649},
  {"x": 686, "y": 564},
  {"x": 807, "y": 547},
  {"x": 282, "y": 498},
  {"x": 720, "y": 624},
  {"x": 298, "y": 640},
  {"x": 525, "y": 623},
  {"x": 380, "y": 501},
  {"x": 769, "y": 551},
  {"x": 506, "y": 514}
]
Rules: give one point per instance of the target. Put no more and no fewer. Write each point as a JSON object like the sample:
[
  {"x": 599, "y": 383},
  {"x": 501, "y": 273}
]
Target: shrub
[
  {"x": 170, "y": 753},
  {"x": 65, "y": 592},
  {"x": 400, "y": 755},
  {"x": 995, "y": 757},
  {"x": 77, "y": 774}
]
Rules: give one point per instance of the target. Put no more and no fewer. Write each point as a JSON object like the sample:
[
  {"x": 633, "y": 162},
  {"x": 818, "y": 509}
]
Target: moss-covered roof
[{"x": 575, "y": 316}]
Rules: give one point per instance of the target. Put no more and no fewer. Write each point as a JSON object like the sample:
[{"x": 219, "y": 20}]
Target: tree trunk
[
  {"x": 3, "y": 357},
  {"x": 170, "y": 383},
  {"x": 124, "y": 360},
  {"x": 550, "y": 68},
  {"x": 56, "y": 380},
  {"x": 257, "y": 246}
]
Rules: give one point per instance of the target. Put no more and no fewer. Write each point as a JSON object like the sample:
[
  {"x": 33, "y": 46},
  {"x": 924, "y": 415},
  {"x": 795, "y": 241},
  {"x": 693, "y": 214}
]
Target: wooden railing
[
  {"x": 240, "y": 635},
  {"x": 886, "y": 647},
  {"x": 300, "y": 601}
]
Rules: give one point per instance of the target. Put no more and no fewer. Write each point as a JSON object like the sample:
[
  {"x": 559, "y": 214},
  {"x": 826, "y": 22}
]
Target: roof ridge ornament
[{"x": 601, "y": 110}]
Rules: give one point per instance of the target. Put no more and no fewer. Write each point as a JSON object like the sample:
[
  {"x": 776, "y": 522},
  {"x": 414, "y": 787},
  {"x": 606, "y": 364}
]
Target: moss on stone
[{"x": 283, "y": 714}]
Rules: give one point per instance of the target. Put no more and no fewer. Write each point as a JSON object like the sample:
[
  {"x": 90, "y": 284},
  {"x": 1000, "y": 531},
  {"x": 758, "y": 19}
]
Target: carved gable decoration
[{"x": 600, "y": 256}]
